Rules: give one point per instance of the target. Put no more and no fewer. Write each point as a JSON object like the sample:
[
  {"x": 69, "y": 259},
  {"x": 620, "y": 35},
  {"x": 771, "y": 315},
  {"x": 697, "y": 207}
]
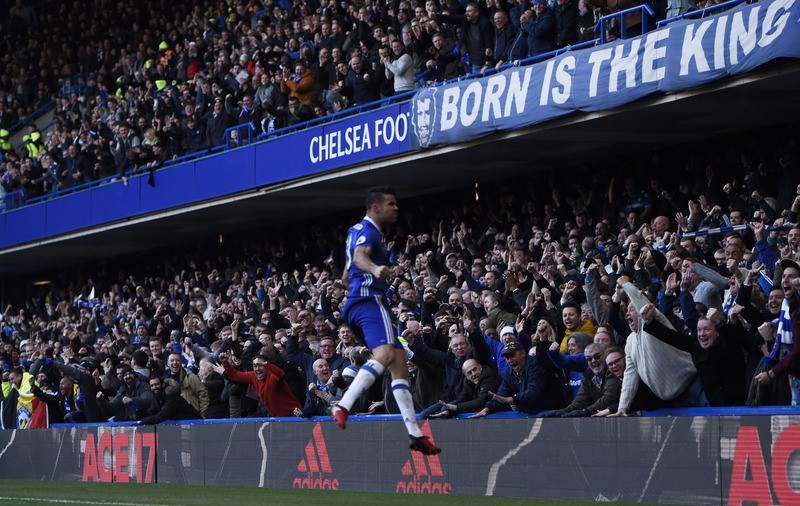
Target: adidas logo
[
  {"x": 424, "y": 472},
  {"x": 315, "y": 465}
]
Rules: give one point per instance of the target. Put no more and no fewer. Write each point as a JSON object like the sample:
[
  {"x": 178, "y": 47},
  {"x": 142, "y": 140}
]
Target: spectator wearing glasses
[
  {"x": 322, "y": 392},
  {"x": 600, "y": 388},
  {"x": 615, "y": 362},
  {"x": 272, "y": 389},
  {"x": 327, "y": 351}
]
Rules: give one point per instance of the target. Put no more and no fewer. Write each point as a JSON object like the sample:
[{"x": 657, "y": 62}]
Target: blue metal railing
[
  {"x": 32, "y": 116},
  {"x": 73, "y": 84},
  {"x": 239, "y": 135},
  {"x": 76, "y": 188},
  {"x": 186, "y": 157},
  {"x": 519, "y": 63},
  {"x": 602, "y": 23},
  {"x": 116, "y": 177},
  {"x": 69, "y": 84},
  {"x": 701, "y": 13},
  {"x": 338, "y": 115},
  {"x": 14, "y": 200}
]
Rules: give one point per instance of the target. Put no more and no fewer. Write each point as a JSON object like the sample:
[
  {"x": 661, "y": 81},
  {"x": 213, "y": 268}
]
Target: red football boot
[{"x": 424, "y": 445}]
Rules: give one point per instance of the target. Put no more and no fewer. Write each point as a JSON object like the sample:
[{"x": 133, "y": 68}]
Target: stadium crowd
[
  {"x": 536, "y": 296},
  {"x": 139, "y": 84}
]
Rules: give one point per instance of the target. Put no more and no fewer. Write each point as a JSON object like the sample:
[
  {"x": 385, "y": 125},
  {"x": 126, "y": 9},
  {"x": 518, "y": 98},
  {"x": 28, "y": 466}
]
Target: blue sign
[
  {"x": 679, "y": 56},
  {"x": 368, "y": 136}
]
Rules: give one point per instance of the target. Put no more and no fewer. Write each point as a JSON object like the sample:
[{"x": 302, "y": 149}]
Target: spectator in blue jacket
[
  {"x": 540, "y": 27},
  {"x": 526, "y": 386},
  {"x": 510, "y": 43}
]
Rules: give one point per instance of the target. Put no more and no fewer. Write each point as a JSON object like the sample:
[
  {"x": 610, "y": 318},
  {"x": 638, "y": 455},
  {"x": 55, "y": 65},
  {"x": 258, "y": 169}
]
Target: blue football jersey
[{"x": 364, "y": 284}]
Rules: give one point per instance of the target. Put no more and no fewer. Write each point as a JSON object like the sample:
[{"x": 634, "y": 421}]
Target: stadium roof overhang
[{"x": 762, "y": 98}]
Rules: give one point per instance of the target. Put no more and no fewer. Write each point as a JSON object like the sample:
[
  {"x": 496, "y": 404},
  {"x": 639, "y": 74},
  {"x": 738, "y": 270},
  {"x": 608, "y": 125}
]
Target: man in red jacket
[{"x": 268, "y": 379}]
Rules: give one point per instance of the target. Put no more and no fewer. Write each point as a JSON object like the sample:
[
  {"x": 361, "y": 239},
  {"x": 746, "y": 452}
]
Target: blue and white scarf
[{"x": 783, "y": 338}]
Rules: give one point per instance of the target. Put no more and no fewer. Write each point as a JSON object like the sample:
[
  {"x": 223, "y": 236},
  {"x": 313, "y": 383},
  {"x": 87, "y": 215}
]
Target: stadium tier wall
[
  {"x": 687, "y": 460},
  {"x": 240, "y": 170}
]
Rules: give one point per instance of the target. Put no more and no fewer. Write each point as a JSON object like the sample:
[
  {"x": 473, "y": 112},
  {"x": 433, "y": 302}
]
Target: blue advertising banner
[
  {"x": 368, "y": 136},
  {"x": 679, "y": 56}
]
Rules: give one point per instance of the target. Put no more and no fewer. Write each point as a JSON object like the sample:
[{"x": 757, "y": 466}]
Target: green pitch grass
[{"x": 50, "y": 493}]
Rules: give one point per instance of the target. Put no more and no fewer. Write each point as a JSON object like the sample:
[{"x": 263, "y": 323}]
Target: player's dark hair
[{"x": 376, "y": 193}]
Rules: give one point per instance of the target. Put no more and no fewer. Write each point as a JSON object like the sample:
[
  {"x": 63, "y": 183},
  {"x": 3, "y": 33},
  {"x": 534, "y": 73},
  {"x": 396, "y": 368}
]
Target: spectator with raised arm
[
  {"x": 399, "y": 66},
  {"x": 526, "y": 386},
  {"x": 538, "y": 24},
  {"x": 656, "y": 374},
  {"x": 600, "y": 388},
  {"x": 268, "y": 379}
]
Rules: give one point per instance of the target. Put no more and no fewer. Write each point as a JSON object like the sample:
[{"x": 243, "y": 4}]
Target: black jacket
[
  {"x": 89, "y": 389},
  {"x": 475, "y": 396},
  {"x": 217, "y": 397},
  {"x": 55, "y": 404},
  {"x": 450, "y": 364},
  {"x": 216, "y": 124},
  {"x": 534, "y": 389},
  {"x": 140, "y": 395},
  {"x": 170, "y": 406},
  {"x": 566, "y": 17},
  {"x": 485, "y": 28},
  {"x": 721, "y": 367}
]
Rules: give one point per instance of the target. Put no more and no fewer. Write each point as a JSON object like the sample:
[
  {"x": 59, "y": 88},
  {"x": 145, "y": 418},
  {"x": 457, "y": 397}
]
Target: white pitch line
[
  {"x": 10, "y": 442},
  {"x": 74, "y": 501},
  {"x": 492, "y": 479},
  {"x": 658, "y": 459},
  {"x": 263, "y": 475}
]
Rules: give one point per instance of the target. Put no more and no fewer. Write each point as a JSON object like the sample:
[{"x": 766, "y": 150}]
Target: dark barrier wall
[
  {"x": 688, "y": 460},
  {"x": 101, "y": 454}
]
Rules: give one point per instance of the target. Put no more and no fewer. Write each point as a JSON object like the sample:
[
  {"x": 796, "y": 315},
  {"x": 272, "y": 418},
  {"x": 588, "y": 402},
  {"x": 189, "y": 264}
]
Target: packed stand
[
  {"x": 138, "y": 85},
  {"x": 575, "y": 301}
]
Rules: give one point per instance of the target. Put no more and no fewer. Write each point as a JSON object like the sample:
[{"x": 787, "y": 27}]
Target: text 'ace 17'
[{"x": 122, "y": 457}]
